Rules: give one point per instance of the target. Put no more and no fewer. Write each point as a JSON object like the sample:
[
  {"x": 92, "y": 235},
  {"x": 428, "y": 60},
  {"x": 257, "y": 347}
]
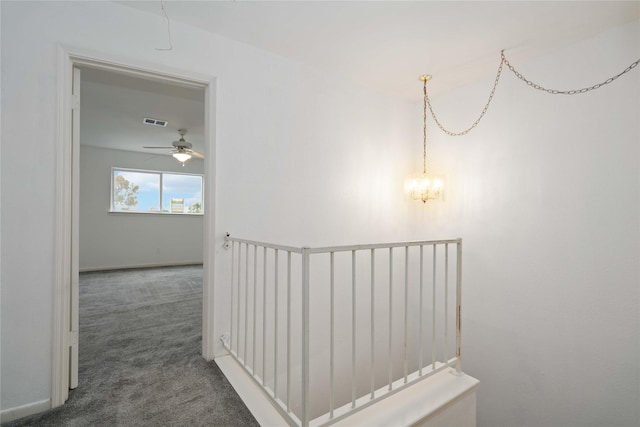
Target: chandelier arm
[
  {"x": 484, "y": 110},
  {"x": 565, "y": 92}
]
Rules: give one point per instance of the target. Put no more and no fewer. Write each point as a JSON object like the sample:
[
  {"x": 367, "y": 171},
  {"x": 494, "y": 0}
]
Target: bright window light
[{"x": 156, "y": 192}]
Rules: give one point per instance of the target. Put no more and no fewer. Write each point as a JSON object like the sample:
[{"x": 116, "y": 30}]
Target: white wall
[
  {"x": 301, "y": 157},
  {"x": 115, "y": 240},
  {"x": 545, "y": 194}
]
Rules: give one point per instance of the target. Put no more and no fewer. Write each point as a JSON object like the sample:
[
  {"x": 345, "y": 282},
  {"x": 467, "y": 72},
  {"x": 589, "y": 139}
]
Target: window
[{"x": 156, "y": 192}]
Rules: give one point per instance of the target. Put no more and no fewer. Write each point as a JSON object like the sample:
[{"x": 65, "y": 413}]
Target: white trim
[
  {"x": 62, "y": 250},
  {"x": 74, "y": 306},
  {"x": 189, "y": 215},
  {"x": 12, "y": 414},
  {"x": 442, "y": 399},
  {"x": 67, "y": 58},
  {"x": 131, "y": 266},
  {"x": 259, "y": 406},
  {"x": 209, "y": 229},
  {"x": 150, "y": 71}
]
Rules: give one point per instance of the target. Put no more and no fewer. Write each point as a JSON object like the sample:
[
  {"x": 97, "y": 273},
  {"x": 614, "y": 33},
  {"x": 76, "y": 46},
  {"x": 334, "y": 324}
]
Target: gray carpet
[{"x": 140, "y": 356}]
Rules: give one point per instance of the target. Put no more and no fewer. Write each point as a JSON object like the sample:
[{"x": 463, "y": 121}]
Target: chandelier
[{"x": 423, "y": 186}]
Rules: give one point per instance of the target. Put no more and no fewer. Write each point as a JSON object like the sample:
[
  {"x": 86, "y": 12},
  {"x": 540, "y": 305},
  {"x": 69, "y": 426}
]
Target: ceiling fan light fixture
[
  {"x": 181, "y": 149},
  {"x": 182, "y": 157}
]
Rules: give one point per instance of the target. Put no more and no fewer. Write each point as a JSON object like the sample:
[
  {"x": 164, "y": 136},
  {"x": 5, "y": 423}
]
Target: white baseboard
[
  {"x": 444, "y": 399},
  {"x": 251, "y": 395},
  {"x": 125, "y": 267},
  {"x": 11, "y": 414}
]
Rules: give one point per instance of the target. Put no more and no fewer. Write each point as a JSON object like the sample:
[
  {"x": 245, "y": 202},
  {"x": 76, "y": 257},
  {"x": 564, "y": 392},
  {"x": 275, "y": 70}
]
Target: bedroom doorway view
[{"x": 140, "y": 239}]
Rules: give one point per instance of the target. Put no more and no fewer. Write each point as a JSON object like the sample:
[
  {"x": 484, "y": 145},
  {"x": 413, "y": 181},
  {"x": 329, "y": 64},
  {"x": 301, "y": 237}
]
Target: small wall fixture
[{"x": 422, "y": 186}]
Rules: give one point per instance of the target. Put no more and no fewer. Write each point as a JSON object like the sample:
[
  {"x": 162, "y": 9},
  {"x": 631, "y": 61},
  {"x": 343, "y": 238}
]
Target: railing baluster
[
  {"x": 421, "y": 362},
  {"x": 275, "y": 326},
  {"x": 390, "y": 364},
  {"x": 353, "y": 329},
  {"x": 239, "y": 290},
  {"x": 264, "y": 318},
  {"x": 406, "y": 310},
  {"x": 446, "y": 302},
  {"x": 238, "y": 302},
  {"x": 255, "y": 292},
  {"x": 331, "y": 333},
  {"x": 233, "y": 248},
  {"x": 304, "y": 419},
  {"x": 459, "y": 307},
  {"x": 433, "y": 336},
  {"x": 246, "y": 301},
  {"x": 288, "y": 331},
  {"x": 373, "y": 323}
]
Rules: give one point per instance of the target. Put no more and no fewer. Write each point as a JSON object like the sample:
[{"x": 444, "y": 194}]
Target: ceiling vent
[{"x": 155, "y": 122}]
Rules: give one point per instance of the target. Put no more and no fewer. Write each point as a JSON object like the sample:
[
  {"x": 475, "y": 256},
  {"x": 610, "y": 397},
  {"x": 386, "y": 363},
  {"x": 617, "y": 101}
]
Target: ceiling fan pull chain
[{"x": 484, "y": 110}]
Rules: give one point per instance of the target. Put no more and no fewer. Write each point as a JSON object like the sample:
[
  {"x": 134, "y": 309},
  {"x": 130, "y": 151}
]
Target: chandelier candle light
[{"x": 422, "y": 186}]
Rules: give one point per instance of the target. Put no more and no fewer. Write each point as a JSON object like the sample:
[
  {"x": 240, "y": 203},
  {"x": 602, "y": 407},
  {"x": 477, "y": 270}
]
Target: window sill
[{"x": 153, "y": 213}]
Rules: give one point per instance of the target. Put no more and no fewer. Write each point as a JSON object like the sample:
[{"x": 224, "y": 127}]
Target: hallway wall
[
  {"x": 301, "y": 156},
  {"x": 546, "y": 195}
]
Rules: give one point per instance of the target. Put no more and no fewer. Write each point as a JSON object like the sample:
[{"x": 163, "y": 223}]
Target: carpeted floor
[{"x": 140, "y": 356}]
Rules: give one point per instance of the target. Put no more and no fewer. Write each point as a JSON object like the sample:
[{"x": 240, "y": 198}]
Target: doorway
[
  {"x": 64, "y": 352},
  {"x": 139, "y": 206}
]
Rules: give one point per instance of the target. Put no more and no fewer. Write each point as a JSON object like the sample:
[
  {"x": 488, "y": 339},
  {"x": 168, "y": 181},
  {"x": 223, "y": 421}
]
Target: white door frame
[{"x": 66, "y": 202}]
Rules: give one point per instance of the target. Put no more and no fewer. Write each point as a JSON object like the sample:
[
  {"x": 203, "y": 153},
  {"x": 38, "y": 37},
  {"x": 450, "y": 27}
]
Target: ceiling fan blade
[
  {"x": 197, "y": 154},
  {"x": 164, "y": 148}
]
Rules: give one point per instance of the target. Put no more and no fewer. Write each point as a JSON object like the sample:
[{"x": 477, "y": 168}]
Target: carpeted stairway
[{"x": 140, "y": 356}]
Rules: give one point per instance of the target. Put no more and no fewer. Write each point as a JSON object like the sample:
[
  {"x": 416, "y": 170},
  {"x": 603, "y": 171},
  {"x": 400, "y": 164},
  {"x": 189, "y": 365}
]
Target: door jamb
[{"x": 67, "y": 59}]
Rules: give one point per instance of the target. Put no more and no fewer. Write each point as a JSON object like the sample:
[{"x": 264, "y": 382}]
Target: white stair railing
[{"x": 274, "y": 310}]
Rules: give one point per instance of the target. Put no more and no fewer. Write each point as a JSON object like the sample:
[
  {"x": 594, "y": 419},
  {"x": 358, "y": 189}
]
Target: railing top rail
[
  {"x": 264, "y": 244},
  {"x": 328, "y": 249},
  {"x": 344, "y": 248}
]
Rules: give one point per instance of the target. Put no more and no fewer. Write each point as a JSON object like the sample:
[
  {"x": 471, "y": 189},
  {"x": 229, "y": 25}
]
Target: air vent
[{"x": 155, "y": 122}]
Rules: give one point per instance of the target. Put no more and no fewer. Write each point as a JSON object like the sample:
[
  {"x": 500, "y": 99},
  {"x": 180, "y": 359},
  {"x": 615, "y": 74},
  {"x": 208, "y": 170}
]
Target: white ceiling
[
  {"x": 387, "y": 44},
  {"x": 113, "y": 107}
]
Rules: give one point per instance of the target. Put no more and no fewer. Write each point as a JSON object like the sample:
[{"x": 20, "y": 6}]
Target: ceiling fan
[{"x": 181, "y": 149}]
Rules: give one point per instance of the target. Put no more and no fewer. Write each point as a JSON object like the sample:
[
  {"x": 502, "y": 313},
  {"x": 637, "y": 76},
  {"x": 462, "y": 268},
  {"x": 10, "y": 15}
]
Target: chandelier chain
[
  {"x": 484, "y": 110},
  {"x": 565, "y": 92},
  {"x": 504, "y": 61},
  {"x": 424, "y": 129}
]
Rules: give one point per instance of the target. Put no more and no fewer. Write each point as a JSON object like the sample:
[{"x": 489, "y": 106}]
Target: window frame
[{"x": 112, "y": 209}]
